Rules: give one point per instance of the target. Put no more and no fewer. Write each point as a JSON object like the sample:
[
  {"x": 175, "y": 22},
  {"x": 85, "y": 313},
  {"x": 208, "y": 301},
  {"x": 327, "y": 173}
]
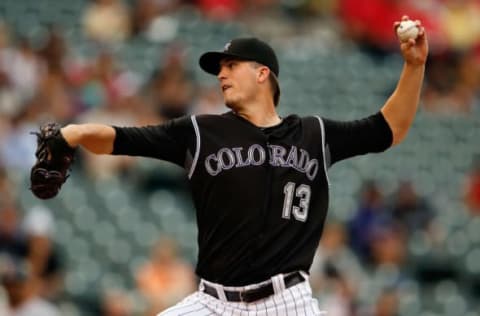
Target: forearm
[
  {"x": 400, "y": 109},
  {"x": 96, "y": 138}
]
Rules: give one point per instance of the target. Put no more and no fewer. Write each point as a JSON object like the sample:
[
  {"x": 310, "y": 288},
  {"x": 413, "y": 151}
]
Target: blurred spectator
[
  {"x": 23, "y": 69},
  {"x": 55, "y": 95},
  {"x": 20, "y": 72},
  {"x": 441, "y": 79},
  {"x": 386, "y": 304},
  {"x": 371, "y": 215},
  {"x": 452, "y": 82},
  {"x": 472, "y": 188},
  {"x": 17, "y": 145},
  {"x": 116, "y": 303},
  {"x": 23, "y": 300},
  {"x": 143, "y": 14},
  {"x": 103, "y": 85},
  {"x": 54, "y": 50},
  {"x": 469, "y": 75},
  {"x": 321, "y": 7},
  {"x": 3, "y": 301},
  {"x": 12, "y": 240},
  {"x": 336, "y": 273},
  {"x": 453, "y": 73},
  {"x": 388, "y": 247},
  {"x": 171, "y": 88},
  {"x": 370, "y": 22},
  {"x": 146, "y": 12},
  {"x": 97, "y": 83},
  {"x": 264, "y": 8},
  {"x": 54, "y": 98},
  {"x": 336, "y": 295},
  {"x": 209, "y": 101},
  {"x": 166, "y": 278},
  {"x": 461, "y": 23},
  {"x": 220, "y": 10},
  {"x": 108, "y": 95},
  {"x": 7, "y": 188},
  {"x": 43, "y": 256},
  {"x": 410, "y": 210},
  {"x": 10, "y": 99},
  {"x": 107, "y": 21}
]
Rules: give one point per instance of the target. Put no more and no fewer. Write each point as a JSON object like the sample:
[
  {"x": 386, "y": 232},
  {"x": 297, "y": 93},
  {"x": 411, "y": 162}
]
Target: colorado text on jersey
[{"x": 255, "y": 155}]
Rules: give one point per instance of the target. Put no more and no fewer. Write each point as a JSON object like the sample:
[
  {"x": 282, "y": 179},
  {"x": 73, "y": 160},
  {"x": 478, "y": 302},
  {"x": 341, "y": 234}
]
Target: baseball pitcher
[{"x": 259, "y": 181}]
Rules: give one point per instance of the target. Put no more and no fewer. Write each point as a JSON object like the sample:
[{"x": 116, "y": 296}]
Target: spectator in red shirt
[
  {"x": 220, "y": 9},
  {"x": 472, "y": 188},
  {"x": 370, "y": 22}
]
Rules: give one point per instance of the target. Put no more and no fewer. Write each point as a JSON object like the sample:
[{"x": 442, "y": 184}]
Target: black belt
[{"x": 253, "y": 295}]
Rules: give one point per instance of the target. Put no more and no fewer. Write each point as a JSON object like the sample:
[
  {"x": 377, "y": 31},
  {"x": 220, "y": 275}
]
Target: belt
[{"x": 253, "y": 295}]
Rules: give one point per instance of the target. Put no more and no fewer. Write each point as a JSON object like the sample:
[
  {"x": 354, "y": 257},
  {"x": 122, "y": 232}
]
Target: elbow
[
  {"x": 398, "y": 127},
  {"x": 399, "y": 134}
]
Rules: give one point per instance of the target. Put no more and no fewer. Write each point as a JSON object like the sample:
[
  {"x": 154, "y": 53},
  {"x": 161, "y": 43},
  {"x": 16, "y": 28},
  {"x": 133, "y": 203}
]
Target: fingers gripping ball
[
  {"x": 406, "y": 30},
  {"x": 54, "y": 159}
]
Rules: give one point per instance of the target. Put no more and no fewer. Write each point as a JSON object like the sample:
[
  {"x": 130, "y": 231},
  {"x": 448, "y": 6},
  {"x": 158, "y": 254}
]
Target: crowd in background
[
  {"x": 50, "y": 82},
  {"x": 376, "y": 237}
]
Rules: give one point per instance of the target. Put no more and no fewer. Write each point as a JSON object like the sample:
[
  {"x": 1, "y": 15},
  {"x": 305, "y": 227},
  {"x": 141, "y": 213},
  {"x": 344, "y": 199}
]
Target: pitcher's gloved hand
[{"x": 54, "y": 158}]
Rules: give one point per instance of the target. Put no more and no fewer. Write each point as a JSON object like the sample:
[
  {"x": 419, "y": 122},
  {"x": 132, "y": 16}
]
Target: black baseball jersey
[{"x": 261, "y": 195}]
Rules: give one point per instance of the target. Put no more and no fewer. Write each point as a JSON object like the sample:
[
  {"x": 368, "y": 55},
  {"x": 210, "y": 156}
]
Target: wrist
[
  {"x": 414, "y": 69},
  {"x": 415, "y": 63},
  {"x": 72, "y": 134}
]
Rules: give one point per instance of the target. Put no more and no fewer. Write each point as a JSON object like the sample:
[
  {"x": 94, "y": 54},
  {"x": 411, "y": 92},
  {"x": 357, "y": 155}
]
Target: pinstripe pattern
[
  {"x": 308, "y": 301},
  {"x": 284, "y": 306},
  {"x": 294, "y": 301},
  {"x": 276, "y": 309},
  {"x": 189, "y": 306}
]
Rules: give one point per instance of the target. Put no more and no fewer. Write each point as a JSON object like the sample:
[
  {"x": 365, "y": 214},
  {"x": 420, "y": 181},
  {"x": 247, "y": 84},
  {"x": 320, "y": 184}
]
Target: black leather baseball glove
[{"x": 54, "y": 158}]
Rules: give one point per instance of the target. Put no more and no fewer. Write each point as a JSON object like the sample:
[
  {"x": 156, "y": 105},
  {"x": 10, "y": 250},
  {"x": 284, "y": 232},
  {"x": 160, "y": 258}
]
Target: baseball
[{"x": 406, "y": 30}]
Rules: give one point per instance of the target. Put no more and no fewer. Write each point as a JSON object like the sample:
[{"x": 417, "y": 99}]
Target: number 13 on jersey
[{"x": 300, "y": 212}]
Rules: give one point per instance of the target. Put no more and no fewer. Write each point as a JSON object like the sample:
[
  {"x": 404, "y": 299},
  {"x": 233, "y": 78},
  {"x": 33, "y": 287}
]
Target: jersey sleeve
[
  {"x": 171, "y": 141},
  {"x": 347, "y": 139}
]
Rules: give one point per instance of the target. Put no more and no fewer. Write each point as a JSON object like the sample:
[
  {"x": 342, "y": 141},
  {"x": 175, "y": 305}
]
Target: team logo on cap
[{"x": 227, "y": 46}]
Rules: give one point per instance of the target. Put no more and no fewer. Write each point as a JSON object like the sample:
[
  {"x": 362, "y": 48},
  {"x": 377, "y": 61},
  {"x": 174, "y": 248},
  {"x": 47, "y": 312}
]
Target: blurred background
[{"x": 403, "y": 232}]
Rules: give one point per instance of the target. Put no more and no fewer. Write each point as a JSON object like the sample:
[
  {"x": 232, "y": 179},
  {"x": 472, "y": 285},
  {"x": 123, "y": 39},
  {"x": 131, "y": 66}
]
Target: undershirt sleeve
[
  {"x": 171, "y": 141},
  {"x": 347, "y": 139}
]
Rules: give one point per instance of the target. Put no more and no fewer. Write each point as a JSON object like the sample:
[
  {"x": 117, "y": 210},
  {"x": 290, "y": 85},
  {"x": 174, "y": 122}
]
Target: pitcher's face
[{"x": 238, "y": 82}]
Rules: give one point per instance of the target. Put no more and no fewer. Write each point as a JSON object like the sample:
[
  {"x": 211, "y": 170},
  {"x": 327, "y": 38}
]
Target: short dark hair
[{"x": 274, "y": 86}]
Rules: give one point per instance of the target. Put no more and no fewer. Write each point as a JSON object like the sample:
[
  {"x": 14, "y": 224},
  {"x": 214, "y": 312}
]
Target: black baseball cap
[{"x": 251, "y": 49}]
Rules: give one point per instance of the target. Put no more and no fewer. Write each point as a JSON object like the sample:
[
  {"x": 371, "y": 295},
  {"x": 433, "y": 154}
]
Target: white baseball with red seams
[{"x": 407, "y": 29}]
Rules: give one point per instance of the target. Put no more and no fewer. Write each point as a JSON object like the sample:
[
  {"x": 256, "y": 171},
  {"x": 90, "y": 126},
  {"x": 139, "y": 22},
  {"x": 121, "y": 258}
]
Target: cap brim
[{"x": 210, "y": 61}]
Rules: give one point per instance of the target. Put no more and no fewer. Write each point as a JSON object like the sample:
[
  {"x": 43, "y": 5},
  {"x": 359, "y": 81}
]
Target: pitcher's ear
[{"x": 263, "y": 74}]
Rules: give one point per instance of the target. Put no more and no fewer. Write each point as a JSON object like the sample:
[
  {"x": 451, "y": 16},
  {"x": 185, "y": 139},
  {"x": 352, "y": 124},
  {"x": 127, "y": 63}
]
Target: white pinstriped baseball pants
[{"x": 294, "y": 301}]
